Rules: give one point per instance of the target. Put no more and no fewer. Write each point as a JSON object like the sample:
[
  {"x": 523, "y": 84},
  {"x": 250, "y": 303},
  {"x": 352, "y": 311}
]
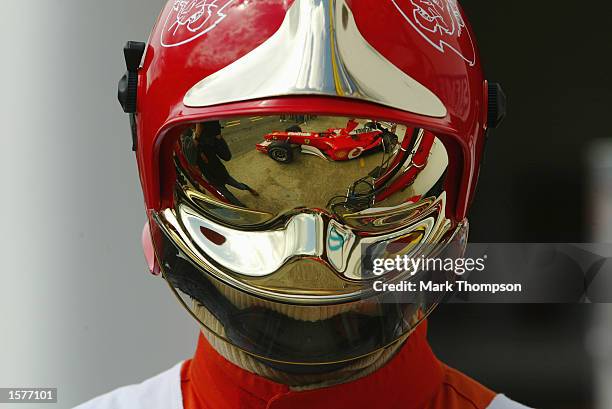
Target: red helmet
[{"x": 283, "y": 144}]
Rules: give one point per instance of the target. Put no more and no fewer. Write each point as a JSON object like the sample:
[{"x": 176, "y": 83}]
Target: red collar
[{"x": 409, "y": 381}]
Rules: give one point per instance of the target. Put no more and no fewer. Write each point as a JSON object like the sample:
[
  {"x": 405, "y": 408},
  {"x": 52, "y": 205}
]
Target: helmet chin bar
[
  {"x": 278, "y": 339},
  {"x": 284, "y": 336}
]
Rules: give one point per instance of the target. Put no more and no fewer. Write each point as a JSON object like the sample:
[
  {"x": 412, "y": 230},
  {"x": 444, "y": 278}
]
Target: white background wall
[{"x": 78, "y": 310}]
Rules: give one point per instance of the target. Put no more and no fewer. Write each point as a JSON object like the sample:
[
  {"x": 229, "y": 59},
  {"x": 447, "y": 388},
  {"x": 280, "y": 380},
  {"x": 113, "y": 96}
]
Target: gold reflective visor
[
  {"x": 274, "y": 220},
  {"x": 284, "y": 207},
  {"x": 249, "y": 170}
]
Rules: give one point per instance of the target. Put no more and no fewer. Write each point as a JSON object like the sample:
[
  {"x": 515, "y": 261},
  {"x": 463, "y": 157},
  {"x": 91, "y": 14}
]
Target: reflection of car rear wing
[
  {"x": 351, "y": 125},
  {"x": 311, "y": 150}
]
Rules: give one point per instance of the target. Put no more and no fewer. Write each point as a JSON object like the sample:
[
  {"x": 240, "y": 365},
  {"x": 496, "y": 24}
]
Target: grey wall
[{"x": 78, "y": 309}]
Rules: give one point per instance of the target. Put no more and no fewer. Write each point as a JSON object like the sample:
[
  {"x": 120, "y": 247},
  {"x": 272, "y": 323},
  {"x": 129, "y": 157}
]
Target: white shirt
[{"x": 164, "y": 392}]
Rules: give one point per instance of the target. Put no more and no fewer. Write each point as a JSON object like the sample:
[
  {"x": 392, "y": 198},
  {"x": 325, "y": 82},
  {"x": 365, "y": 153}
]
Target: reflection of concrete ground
[
  {"x": 242, "y": 134},
  {"x": 307, "y": 181}
]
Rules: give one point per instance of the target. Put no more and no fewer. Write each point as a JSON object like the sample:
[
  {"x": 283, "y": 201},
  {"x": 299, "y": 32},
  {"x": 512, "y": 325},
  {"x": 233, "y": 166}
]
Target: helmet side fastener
[{"x": 128, "y": 84}]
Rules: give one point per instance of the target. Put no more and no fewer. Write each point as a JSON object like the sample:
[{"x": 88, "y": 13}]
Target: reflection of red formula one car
[{"x": 338, "y": 144}]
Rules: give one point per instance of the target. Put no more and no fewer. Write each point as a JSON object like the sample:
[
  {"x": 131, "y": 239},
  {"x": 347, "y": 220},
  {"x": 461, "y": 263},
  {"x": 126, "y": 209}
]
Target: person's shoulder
[
  {"x": 163, "y": 391},
  {"x": 502, "y": 402},
  {"x": 462, "y": 392}
]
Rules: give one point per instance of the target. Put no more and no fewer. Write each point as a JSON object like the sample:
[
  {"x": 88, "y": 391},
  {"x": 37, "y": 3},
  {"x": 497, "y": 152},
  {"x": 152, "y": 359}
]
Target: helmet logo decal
[
  {"x": 441, "y": 24},
  {"x": 191, "y": 19}
]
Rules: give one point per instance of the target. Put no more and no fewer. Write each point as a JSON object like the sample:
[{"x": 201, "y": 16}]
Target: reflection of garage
[
  {"x": 311, "y": 181},
  {"x": 281, "y": 186}
]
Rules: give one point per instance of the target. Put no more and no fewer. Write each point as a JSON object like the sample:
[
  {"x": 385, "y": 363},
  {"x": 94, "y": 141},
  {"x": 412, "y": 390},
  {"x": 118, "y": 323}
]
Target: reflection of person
[{"x": 212, "y": 148}]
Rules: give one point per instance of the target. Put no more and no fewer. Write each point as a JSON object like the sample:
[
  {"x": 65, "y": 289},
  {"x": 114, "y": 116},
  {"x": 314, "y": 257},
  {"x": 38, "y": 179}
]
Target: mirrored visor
[
  {"x": 274, "y": 218},
  {"x": 285, "y": 205},
  {"x": 249, "y": 170}
]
